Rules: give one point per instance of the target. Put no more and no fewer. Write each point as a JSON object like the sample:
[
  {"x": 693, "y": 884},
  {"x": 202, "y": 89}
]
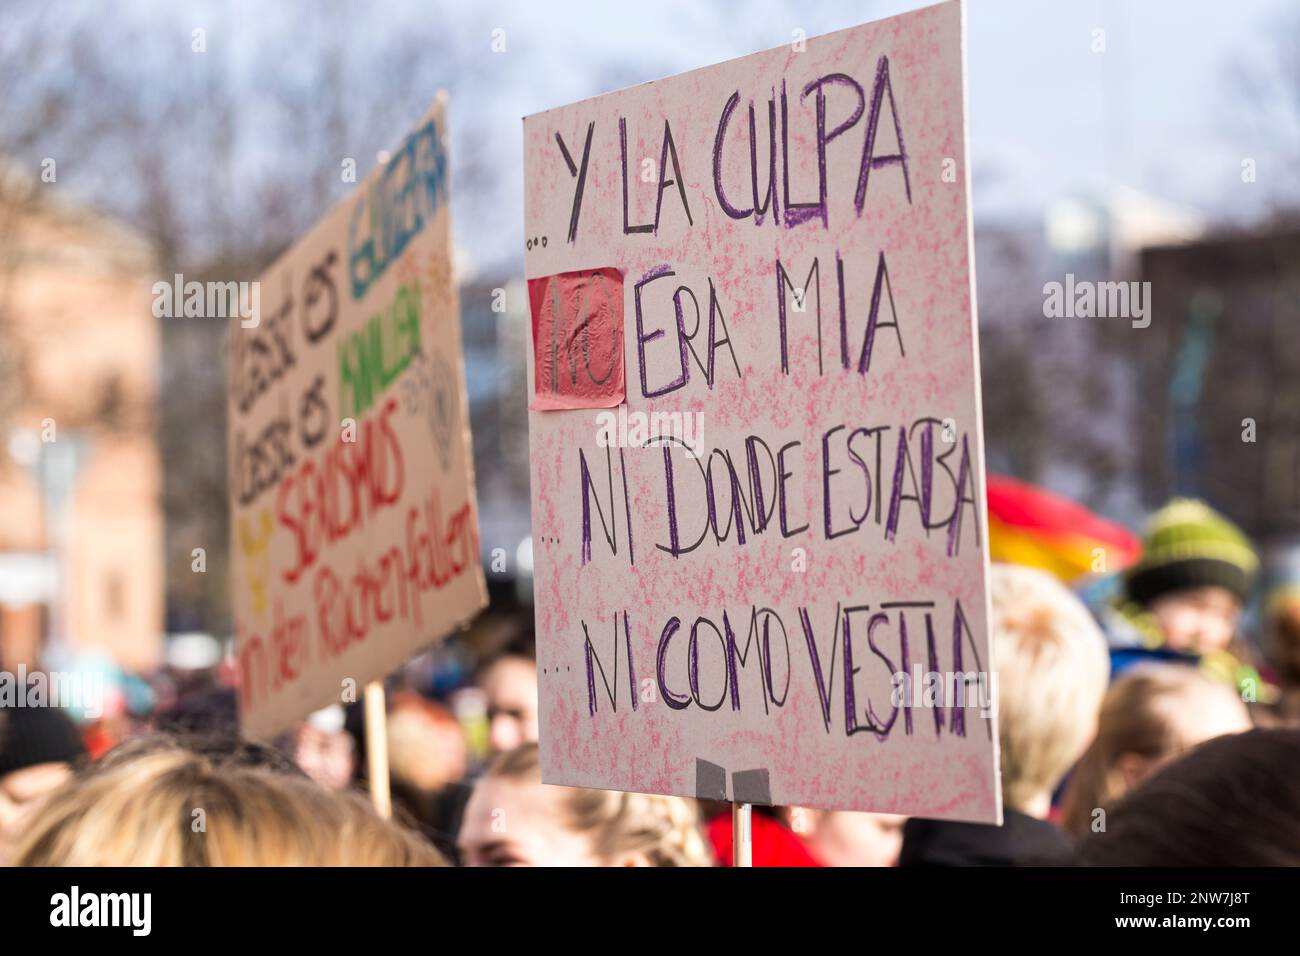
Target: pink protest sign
[{"x": 762, "y": 578}]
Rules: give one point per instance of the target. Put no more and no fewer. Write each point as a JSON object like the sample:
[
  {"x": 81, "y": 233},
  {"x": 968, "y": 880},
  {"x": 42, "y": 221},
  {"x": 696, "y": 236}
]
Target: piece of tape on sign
[
  {"x": 710, "y": 781},
  {"x": 577, "y": 340},
  {"x": 747, "y": 786},
  {"x": 751, "y": 786}
]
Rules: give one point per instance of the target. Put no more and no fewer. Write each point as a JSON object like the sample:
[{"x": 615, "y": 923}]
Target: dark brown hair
[{"x": 1232, "y": 801}]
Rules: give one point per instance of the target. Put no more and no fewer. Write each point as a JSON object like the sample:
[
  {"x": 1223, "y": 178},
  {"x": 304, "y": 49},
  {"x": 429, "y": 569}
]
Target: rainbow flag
[{"x": 1030, "y": 526}]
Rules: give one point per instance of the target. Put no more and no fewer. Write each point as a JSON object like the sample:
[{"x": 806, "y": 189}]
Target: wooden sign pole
[
  {"x": 377, "y": 749},
  {"x": 742, "y": 846}
]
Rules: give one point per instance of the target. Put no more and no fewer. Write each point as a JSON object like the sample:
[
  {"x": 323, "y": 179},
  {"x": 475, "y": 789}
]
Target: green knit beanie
[{"x": 1187, "y": 545}]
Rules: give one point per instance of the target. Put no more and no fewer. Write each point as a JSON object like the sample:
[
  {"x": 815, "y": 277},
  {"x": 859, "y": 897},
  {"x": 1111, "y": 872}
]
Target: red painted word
[
  {"x": 320, "y": 504},
  {"x": 438, "y": 550}
]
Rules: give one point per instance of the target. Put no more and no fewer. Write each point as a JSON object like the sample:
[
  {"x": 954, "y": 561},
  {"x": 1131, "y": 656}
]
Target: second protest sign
[{"x": 355, "y": 525}]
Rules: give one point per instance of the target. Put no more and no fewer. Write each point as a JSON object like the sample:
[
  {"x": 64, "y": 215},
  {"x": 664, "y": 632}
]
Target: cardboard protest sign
[
  {"x": 354, "y": 521},
  {"x": 762, "y": 577}
]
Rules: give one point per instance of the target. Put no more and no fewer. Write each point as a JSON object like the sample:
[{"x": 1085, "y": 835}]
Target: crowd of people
[{"x": 1155, "y": 728}]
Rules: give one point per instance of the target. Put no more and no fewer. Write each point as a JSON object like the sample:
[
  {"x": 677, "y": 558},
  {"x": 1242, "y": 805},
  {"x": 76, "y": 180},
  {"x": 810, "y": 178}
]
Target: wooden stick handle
[
  {"x": 742, "y": 843},
  {"x": 377, "y": 749}
]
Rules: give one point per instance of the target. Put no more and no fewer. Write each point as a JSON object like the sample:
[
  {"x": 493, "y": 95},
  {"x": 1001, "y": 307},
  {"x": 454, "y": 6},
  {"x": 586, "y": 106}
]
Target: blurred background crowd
[
  {"x": 1149, "y": 728},
  {"x": 1144, "y": 486}
]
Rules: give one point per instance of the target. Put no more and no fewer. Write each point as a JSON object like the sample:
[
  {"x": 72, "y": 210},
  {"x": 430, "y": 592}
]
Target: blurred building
[
  {"x": 1220, "y": 389},
  {"x": 1061, "y": 395},
  {"x": 495, "y": 324},
  {"x": 81, "y": 523}
]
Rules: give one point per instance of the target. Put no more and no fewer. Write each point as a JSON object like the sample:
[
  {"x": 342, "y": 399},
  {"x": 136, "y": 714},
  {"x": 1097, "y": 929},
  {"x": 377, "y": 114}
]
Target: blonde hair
[
  {"x": 166, "y": 806},
  {"x": 1052, "y": 668},
  {"x": 1136, "y": 718},
  {"x": 665, "y": 829}
]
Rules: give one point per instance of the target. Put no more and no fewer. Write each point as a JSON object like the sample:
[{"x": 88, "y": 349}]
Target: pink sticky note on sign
[{"x": 578, "y": 340}]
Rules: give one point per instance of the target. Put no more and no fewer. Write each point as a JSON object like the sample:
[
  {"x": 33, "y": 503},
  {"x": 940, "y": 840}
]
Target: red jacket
[{"x": 773, "y": 844}]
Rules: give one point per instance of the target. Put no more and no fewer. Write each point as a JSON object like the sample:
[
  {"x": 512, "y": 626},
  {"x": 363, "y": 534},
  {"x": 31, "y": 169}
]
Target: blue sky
[
  {"x": 1049, "y": 117},
  {"x": 1157, "y": 111}
]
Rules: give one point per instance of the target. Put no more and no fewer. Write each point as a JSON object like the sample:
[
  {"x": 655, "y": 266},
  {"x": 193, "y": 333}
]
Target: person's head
[
  {"x": 513, "y": 819},
  {"x": 206, "y": 710},
  {"x": 1150, "y": 716},
  {"x": 1194, "y": 576},
  {"x": 426, "y": 746},
  {"x": 38, "y": 748},
  {"x": 324, "y": 750},
  {"x": 221, "y": 748},
  {"x": 1052, "y": 667},
  {"x": 847, "y": 838},
  {"x": 163, "y": 805},
  {"x": 510, "y": 684},
  {"x": 1232, "y": 801},
  {"x": 1283, "y": 619}
]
